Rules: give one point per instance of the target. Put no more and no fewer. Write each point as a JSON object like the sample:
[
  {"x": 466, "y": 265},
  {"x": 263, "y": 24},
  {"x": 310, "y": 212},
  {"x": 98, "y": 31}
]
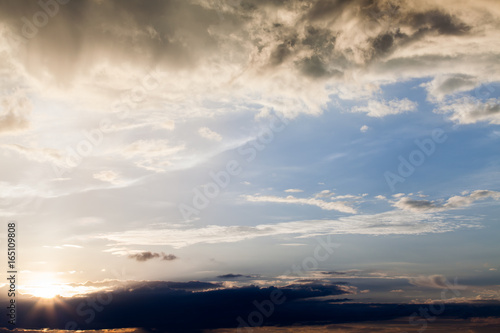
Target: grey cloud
[
  {"x": 455, "y": 202},
  {"x": 438, "y": 21},
  {"x": 315, "y": 67},
  {"x": 233, "y": 276},
  {"x": 282, "y": 51},
  {"x": 444, "y": 85},
  {"x": 410, "y": 204},
  {"x": 383, "y": 43},
  {"x": 434, "y": 281},
  {"x": 328, "y": 10},
  {"x": 147, "y": 255},
  {"x": 468, "y": 110},
  {"x": 321, "y": 40},
  {"x": 169, "y": 33},
  {"x": 168, "y": 257}
]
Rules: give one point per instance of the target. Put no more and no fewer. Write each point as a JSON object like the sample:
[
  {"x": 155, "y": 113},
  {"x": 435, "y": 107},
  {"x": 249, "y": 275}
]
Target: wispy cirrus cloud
[
  {"x": 36, "y": 154},
  {"x": 154, "y": 155},
  {"x": 325, "y": 205},
  {"x": 384, "y": 108},
  {"x": 388, "y": 223}
]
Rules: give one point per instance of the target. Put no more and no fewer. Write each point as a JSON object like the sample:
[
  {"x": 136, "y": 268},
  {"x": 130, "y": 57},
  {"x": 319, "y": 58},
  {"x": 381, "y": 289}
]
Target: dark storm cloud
[
  {"x": 282, "y": 51},
  {"x": 147, "y": 255},
  {"x": 328, "y": 9},
  {"x": 371, "y": 15},
  {"x": 167, "y": 285},
  {"x": 159, "y": 306},
  {"x": 316, "y": 67},
  {"x": 438, "y": 21},
  {"x": 170, "y": 306},
  {"x": 154, "y": 33},
  {"x": 180, "y": 34}
]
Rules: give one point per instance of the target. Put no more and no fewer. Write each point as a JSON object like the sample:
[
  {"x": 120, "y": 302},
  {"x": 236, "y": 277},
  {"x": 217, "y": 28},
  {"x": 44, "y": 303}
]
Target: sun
[
  {"x": 48, "y": 285},
  {"x": 42, "y": 285},
  {"x": 44, "y": 291}
]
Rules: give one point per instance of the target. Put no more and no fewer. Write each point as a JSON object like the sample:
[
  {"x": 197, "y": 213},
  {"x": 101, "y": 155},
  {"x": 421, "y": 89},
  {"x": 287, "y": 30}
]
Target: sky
[{"x": 208, "y": 166}]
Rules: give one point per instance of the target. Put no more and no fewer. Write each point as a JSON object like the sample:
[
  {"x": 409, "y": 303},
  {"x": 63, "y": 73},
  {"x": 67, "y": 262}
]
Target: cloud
[
  {"x": 449, "y": 84},
  {"x": 107, "y": 176},
  {"x": 469, "y": 110},
  {"x": 233, "y": 276},
  {"x": 90, "y": 220},
  {"x": 388, "y": 223},
  {"x": 37, "y": 154},
  {"x": 207, "y": 133},
  {"x": 293, "y": 190},
  {"x": 383, "y": 108},
  {"x": 455, "y": 202},
  {"x": 434, "y": 282},
  {"x": 292, "y": 62},
  {"x": 364, "y": 128},
  {"x": 180, "y": 300},
  {"x": 168, "y": 124},
  {"x": 338, "y": 206},
  {"x": 15, "y": 113},
  {"x": 324, "y": 194},
  {"x": 154, "y": 155},
  {"x": 219, "y": 307},
  {"x": 73, "y": 246},
  {"x": 147, "y": 255}
]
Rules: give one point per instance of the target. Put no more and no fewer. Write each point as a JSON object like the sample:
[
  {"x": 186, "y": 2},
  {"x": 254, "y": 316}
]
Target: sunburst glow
[
  {"x": 43, "y": 285},
  {"x": 45, "y": 291},
  {"x": 48, "y": 285}
]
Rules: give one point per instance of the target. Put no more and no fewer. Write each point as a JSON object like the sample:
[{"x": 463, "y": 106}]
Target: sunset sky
[{"x": 181, "y": 153}]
